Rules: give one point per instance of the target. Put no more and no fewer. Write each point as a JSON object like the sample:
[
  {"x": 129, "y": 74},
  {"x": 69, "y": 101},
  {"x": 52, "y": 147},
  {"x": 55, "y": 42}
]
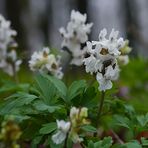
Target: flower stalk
[
  {"x": 15, "y": 76},
  {"x": 100, "y": 107}
]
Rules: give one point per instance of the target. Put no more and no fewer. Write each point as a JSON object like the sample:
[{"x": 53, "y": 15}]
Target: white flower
[
  {"x": 112, "y": 73},
  {"x": 105, "y": 80},
  {"x": 44, "y": 61},
  {"x": 74, "y": 112},
  {"x": 78, "y": 17},
  {"x": 103, "y": 58},
  {"x": 14, "y": 64},
  {"x": 63, "y": 128},
  {"x": 104, "y": 83},
  {"x": 6, "y": 33},
  {"x": 11, "y": 64},
  {"x": 124, "y": 59},
  {"x": 105, "y": 47},
  {"x": 90, "y": 63},
  {"x": 75, "y": 37},
  {"x": 8, "y": 59}
]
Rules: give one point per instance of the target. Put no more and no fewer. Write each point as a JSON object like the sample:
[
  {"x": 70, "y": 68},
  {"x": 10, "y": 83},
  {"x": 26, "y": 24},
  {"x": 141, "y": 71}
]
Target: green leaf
[
  {"x": 15, "y": 101},
  {"x": 90, "y": 144},
  {"x": 46, "y": 90},
  {"x": 133, "y": 144},
  {"x": 89, "y": 98},
  {"x": 36, "y": 141},
  {"x": 122, "y": 121},
  {"x": 129, "y": 109},
  {"x": 60, "y": 86},
  {"x": 41, "y": 106},
  {"x": 117, "y": 145},
  {"x": 89, "y": 128},
  {"x": 48, "y": 128},
  {"x": 9, "y": 86},
  {"x": 105, "y": 143},
  {"x": 143, "y": 120},
  {"x": 76, "y": 88}
]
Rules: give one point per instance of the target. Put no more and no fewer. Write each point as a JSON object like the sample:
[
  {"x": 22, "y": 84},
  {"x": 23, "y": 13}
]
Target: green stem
[
  {"x": 15, "y": 73},
  {"x": 65, "y": 143},
  {"x": 100, "y": 107}
]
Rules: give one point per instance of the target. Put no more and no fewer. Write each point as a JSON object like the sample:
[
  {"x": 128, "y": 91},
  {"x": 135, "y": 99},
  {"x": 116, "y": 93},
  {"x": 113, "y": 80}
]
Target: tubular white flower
[
  {"x": 104, "y": 83},
  {"x": 74, "y": 112},
  {"x": 111, "y": 73},
  {"x": 63, "y": 128},
  {"x": 75, "y": 37},
  {"x": 103, "y": 58},
  {"x": 90, "y": 63},
  {"x": 44, "y": 61}
]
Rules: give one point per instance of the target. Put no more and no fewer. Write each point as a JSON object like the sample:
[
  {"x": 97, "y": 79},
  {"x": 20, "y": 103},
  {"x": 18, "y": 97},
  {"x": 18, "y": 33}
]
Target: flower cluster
[
  {"x": 8, "y": 56},
  {"x": 77, "y": 119},
  {"x": 103, "y": 58},
  {"x": 44, "y": 61},
  {"x": 75, "y": 37},
  {"x": 10, "y": 133}
]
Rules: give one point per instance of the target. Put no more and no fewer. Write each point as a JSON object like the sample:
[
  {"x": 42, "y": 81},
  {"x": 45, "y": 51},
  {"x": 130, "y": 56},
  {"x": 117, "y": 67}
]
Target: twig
[
  {"x": 117, "y": 137},
  {"x": 82, "y": 145}
]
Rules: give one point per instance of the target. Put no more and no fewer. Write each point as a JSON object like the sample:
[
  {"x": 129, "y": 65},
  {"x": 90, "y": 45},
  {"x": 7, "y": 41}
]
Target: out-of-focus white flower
[
  {"x": 123, "y": 59},
  {"x": 74, "y": 112},
  {"x": 6, "y": 34},
  {"x": 63, "y": 128},
  {"x": 10, "y": 131},
  {"x": 75, "y": 37},
  {"x": 8, "y": 59},
  {"x": 125, "y": 50},
  {"x": 103, "y": 58},
  {"x": 12, "y": 65},
  {"x": 44, "y": 61}
]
